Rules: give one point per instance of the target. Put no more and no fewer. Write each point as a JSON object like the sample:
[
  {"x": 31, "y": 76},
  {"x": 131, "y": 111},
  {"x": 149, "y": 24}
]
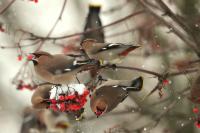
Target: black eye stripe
[{"x": 35, "y": 62}]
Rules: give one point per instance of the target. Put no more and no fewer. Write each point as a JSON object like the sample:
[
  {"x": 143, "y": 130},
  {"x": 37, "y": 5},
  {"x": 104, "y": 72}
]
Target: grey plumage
[
  {"x": 111, "y": 52},
  {"x": 57, "y": 69}
]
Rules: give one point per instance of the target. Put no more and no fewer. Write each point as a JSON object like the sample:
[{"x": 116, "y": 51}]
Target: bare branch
[
  {"x": 92, "y": 30},
  {"x": 6, "y": 7},
  {"x": 188, "y": 42},
  {"x": 54, "y": 26}
]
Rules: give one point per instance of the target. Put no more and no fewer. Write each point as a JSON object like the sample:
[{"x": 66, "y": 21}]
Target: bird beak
[{"x": 100, "y": 112}]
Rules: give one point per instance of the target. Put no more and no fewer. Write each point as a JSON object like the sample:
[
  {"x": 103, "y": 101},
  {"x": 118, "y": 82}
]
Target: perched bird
[
  {"x": 42, "y": 121},
  {"x": 33, "y": 121},
  {"x": 108, "y": 95},
  {"x": 59, "y": 68},
  {"x": 93, "y": 21},
  {"x": 41, "y": 93},
  {"x": 111, "y": 52}
]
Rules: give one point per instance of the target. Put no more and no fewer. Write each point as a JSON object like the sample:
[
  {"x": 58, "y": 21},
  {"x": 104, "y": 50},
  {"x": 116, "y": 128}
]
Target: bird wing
[
  {"x": 115, "y": 94},
  {"x": 63, "y": 68},
  {"x": 110, "y": 46},
  {"x": 61, "y": 64},
  {"x": 126, "y": 48}
]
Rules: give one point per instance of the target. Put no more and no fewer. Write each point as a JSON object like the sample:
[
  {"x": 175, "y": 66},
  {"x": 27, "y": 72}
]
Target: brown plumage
[
  {"x": 109, "y": 95},
  {"x": 57, "y": 69},
  {"x": 41, "y": 93},
  {"x": 43, "y": 121},
  {"x": 111, "y": 52},
  {"x": 33, "y": 119},
  {"x": 195, "y": 91}
]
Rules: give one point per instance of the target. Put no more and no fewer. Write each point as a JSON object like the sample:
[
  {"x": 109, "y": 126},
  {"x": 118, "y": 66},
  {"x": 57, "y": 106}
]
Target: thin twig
[
  {"x": 181, "y": 23},
  {"x": 7, "y": 6},
  {"x": 54, "y": 26},
  {"x": 140, "y": 70},
  {"x": 42, "y": 39},
  {"x": 182, "y": 73},
  {"x": 188, "y": 42},
  {"x": 151, "y": 72},
  {"x": 92, "y": 30},
  {"x": 50, "y": 32}
]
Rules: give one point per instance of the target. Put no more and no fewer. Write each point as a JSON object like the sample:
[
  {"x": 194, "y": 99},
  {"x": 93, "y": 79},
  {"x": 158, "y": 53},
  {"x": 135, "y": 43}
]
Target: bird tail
[
  {"x": 95, "y": 8},
  {"x": 136, "y": 84},
  {"x": 128, "y": 50}
]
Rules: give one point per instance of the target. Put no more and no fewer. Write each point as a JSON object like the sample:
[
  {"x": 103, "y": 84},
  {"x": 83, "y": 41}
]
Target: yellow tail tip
[{"x": 97, "y": 5}]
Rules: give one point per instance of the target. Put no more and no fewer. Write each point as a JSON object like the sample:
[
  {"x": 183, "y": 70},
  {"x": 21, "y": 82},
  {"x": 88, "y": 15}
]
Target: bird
[
  {"x": 41, "y": 93},
  {"x": 32, "y": 120},
  {"x": 58, "y": 68},
  {"x": 108, "y": 95},
  {"x": 107, "y": 52},
  {"x": 93, "y": 21},
  {"x": 43, "y": 120}
]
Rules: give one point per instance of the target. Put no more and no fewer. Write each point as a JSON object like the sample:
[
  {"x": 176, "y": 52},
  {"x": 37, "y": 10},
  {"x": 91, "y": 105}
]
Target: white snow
[{"x": 71, "y": 88}]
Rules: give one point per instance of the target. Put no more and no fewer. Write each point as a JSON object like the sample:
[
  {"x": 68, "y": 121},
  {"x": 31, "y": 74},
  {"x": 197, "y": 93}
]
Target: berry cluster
[
  {"x": 73, "y": 102},
  {"x": 21, "y": 86},
  {"x": 197, "y": 122}
]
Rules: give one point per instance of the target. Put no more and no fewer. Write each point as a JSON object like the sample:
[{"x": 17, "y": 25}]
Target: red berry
[
  {"x": 197, "y": 123},
  {"x": 195, "y": 110},
  {"x": 165, "y": 82},
  {"x": 30, "y": 57},
  {"x": 62, "y": 98},
  {"x": 86, "y": 92},
  {"x": 19, "y": 57},
  {"x": 53, "y": 101},
  {"x": 53, "y": 107},
  {"x": 70, "y": 97},
  {"x": 62, "y": 107},
  {"x": 2, "y": 30}
]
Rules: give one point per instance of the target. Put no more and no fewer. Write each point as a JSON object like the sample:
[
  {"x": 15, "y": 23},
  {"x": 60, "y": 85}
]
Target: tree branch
[{"x": 6, "y": 7}]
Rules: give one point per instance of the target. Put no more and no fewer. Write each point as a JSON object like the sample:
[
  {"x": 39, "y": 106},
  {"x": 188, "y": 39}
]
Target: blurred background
[{"x": 169, "y": 35}]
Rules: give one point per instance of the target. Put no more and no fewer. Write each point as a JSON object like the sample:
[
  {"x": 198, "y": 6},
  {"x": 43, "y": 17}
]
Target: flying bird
[
  {"x": 108, "y": 95},
  {"x": 59, "y": 68},
  {"x": 110, "y": 52}
]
